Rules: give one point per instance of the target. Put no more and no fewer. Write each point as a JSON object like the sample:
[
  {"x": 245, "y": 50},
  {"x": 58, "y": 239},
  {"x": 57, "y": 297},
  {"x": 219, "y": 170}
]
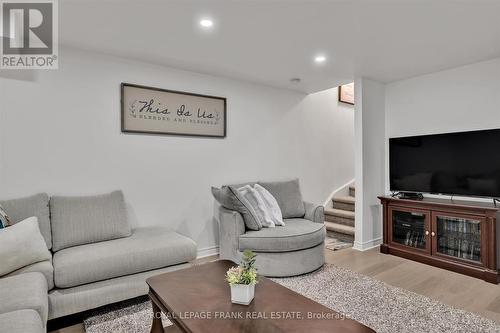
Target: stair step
[
  {"x": 340, "y": 216},
  {"x": 346, "y": 199},
  {"x": 340, "y": 212},
  {"x": 339, "y": 220},
  {"x": 340, "y": 228},
  {"x": 352, "y": 191},
  {"x": 344, "y": 203}
]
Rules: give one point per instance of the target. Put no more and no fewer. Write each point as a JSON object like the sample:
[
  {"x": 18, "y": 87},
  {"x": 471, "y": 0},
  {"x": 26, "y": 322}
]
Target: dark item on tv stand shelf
[
  {"x": 408, "y": 195},
  {"x": 460, "y": 236}
]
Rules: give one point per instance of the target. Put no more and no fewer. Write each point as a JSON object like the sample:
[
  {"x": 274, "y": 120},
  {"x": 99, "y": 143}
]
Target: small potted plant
[{"x": 242, "y": 279}]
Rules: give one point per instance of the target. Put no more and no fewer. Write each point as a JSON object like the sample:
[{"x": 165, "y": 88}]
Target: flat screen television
[{"x": 463, "y": 163}]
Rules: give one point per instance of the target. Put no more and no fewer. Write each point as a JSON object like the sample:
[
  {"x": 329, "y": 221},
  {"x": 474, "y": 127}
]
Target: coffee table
[{"x": 198, "y": 300}]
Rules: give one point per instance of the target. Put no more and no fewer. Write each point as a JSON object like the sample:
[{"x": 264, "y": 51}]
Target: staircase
[{"x": 339, "y": 220}]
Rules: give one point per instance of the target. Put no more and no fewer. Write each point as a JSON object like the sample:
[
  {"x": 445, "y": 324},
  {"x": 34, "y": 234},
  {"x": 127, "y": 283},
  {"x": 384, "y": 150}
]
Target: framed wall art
[
  {"x": 346, "y": 93},
  {"x": 151, "y": 110}
]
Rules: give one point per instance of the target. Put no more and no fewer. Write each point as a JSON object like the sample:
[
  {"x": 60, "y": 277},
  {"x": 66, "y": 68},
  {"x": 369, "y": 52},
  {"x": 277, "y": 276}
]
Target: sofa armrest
[
  {"x": 231, "y": 227},
  {"x": 315, "y": 213}
]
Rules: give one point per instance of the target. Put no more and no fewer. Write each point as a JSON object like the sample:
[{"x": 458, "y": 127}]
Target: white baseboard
[
  {"x": 340, "y": 191},
  {"x": 367, "y": 245},
  {"x": 208, "y": 251}
]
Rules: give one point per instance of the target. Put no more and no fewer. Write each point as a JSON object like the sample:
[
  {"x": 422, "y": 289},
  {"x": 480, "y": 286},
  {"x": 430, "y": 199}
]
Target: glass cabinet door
[
  {"x": 409, "y": 228},
  {"x": 458, "y": 236}
]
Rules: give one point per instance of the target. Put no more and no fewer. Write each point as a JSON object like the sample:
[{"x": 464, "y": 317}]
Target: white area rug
[{"x": 376, "y": 304}]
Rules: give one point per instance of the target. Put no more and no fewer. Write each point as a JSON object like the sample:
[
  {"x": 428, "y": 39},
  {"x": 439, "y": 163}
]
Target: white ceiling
[{"x": 272, "y": 41}]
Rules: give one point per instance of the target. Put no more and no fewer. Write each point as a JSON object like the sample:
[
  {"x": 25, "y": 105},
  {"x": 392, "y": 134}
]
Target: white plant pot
[{"x": 242, "y": 293}]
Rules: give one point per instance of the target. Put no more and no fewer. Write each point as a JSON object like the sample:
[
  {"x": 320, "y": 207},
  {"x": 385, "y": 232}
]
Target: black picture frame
[{"x": 123, "y": 86}]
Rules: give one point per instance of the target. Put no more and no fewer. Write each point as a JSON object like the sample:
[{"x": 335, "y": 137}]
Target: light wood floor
[
  {"x": 451, "y": 288},
  {"x": 448, "y": 287}
]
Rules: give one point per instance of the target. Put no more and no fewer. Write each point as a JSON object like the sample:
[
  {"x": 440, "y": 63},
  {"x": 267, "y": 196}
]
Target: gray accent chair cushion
[
  {"x": 25, "y": 291},
  {"x": 35, "y": 205},
  {"x": 147, "y": 249},
  {"x": 297, "y": 234},
  {"x": 90, "y": 219},
  {"x": 44, "y": 267},
  {"x": 22, "y": 321},
  {"x": 288, "y": 196},
  {"x": 229, "y": 198}
]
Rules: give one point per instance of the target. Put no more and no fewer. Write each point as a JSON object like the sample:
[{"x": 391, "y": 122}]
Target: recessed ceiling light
[
  {"x": 206, "y": 23},
  {"x": 319, "y": 59}
]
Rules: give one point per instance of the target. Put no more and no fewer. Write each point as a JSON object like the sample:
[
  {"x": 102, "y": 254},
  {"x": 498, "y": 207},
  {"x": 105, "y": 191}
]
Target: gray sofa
[
  {"x": 86, "y": 271},
  {"x": 294, "y": 249}
]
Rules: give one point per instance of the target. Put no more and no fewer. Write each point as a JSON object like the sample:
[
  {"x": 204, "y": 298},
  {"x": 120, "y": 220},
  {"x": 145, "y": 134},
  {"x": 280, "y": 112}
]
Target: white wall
[
  {"x": 464, "y": 98},
  {"x": 460, "y": 99},
  {"x": 60, "y": 133},
  {"x": 370, "y": 161}
]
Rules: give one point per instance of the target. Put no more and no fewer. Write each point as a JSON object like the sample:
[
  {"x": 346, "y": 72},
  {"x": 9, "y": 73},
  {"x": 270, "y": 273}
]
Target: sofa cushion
[
  {"x": 90, "y": 219},
  {"x": 44, "y": 267},
  {"x": 22, "y": 321},
  {"x": 297, "y": 234},
  {"x": 25, "y": 291},
  {"x": 22, "y": 245},
  {"x": 64, "y": 302},
  {"x": 148, "y": 248},
  {"x": 229, "y": 198},
  {"x": 36, "y": 205},
  {"x": 288, "y": 196}
]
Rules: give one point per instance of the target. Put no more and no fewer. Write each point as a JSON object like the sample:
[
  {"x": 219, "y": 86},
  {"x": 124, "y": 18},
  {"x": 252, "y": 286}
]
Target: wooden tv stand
[{"x": 460, "y": 236}]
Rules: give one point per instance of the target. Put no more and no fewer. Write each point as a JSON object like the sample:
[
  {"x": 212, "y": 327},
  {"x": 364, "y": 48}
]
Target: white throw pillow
[
  {"x": 258, "y": 205},
  {"x": 21, "y": 244},
  {"x": 272, "y": 206}
]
